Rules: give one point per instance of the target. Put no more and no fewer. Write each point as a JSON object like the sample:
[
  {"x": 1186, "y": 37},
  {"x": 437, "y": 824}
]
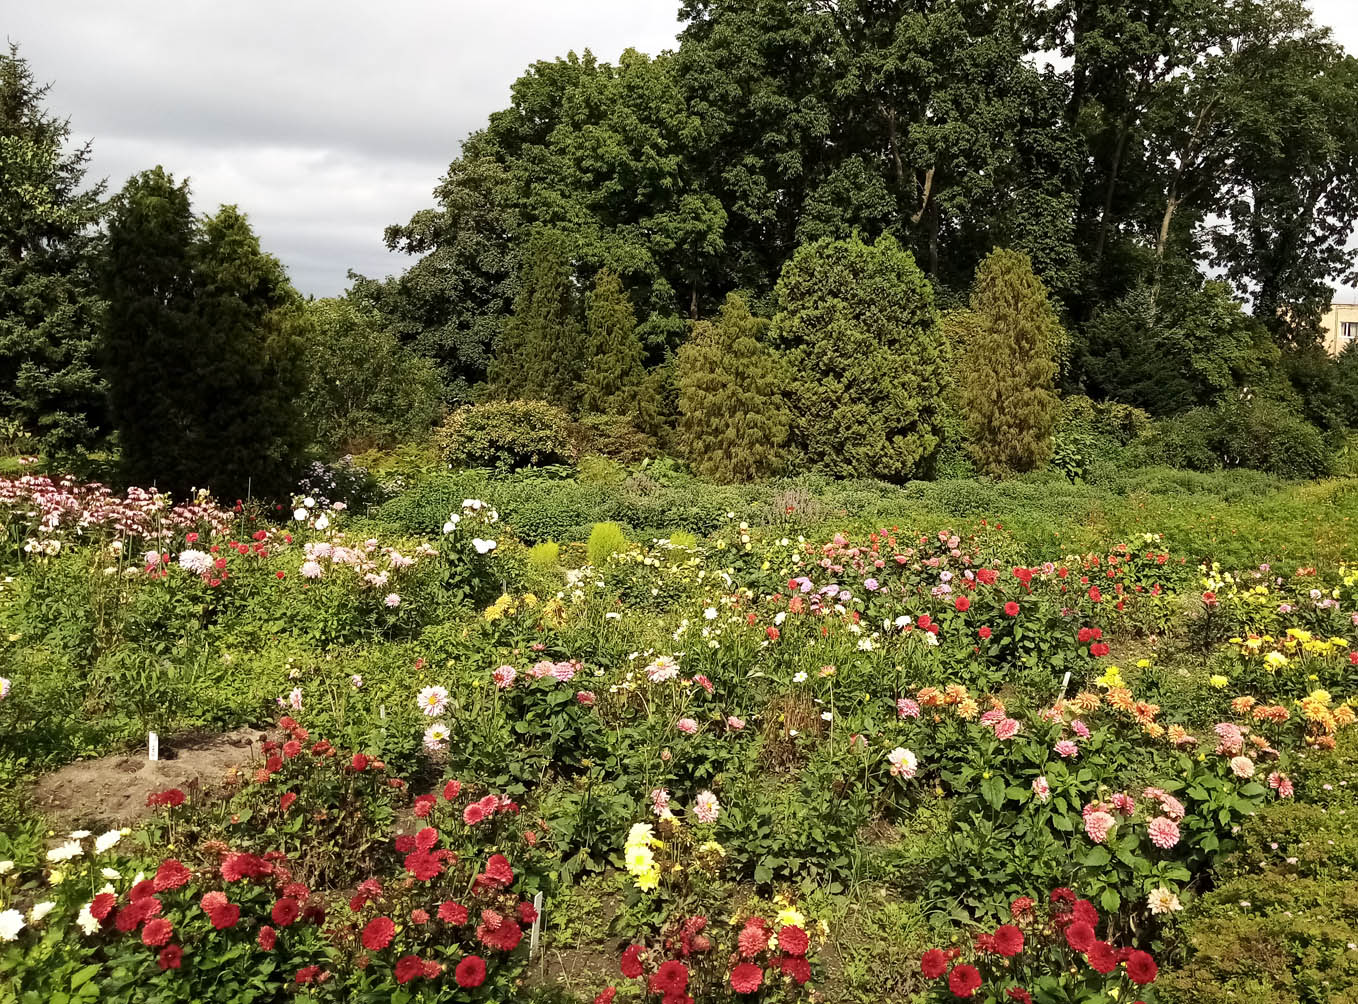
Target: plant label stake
[
  {"x": 1064, "y": 684},
  {"x": 152, "y": 746},
  {"x": 535, "y": 935}
]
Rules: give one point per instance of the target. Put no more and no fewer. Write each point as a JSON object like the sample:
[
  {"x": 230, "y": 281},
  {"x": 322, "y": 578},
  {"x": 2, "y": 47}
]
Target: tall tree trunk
[
  {"x": 933, "y": 239},
  {"x": 1105, "y": 219}
]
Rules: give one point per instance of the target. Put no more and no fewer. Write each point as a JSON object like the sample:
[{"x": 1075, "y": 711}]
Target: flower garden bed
[{"x": 757, "y": 766}]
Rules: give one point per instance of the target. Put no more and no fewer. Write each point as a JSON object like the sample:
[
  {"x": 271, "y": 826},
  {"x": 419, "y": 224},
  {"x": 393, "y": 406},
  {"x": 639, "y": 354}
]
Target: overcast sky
[{"x": 324, "y": 120}]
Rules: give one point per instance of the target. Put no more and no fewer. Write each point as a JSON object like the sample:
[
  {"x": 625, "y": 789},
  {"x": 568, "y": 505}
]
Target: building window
[{"x": 1348, "y": 331}]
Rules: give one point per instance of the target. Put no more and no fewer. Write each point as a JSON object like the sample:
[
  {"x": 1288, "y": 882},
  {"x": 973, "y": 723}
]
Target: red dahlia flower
[
  {"x": 746, "y": 978},
  {"x": 408, "y": 967},
  {"x": 102, "y": 906},
  {"x": 793, "y": 940},
  {"x": 1080, "y": 936},
  {"x": 1011, "y": 609},
  {"x": 470, "y": 972},
  {"x": 453, "y": 913},
  {"x": 378, "y": 933},
  {"x": 606, "y": 995},
  {"x": 1019, "y": 994},
  {"x": 933, "y": 963},
  {"x": 753, "y": 938},
  {"x": 423, "y": 865},
  {"x": 1008, "y": 940},
  {"x": 224, "y": 917},
  {"x": 268, "y": 937},
  {"x": 170, "y": 957},
  {"x": 141, "y": 890},
  {"x": 498, "y": 931},
  {"x": 1085, "y": 913},
  {"x": 285, "y": 911},
  {"x": 1141, "y": 968},
  {"x": 427, "y": 838},
  {"x": 171, "y": 875},
  {"x": 498, "y": 870},
  {"x": 797, "y": 967},
  {"x": 157, "y": 932},
  {"x": 964, "y": 980},
  {"x": 451, "y": 790},
  {"x": 631, "y": 962},
  {"x": 1102, "y": 958},
  {"x": 285, "y": 803},
  {"x": 670, "y": 978}
]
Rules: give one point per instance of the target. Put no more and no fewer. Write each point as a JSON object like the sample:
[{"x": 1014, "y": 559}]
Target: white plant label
[
  {"x": 152, "y": 746},
  {"x": 536, "y": 933}
]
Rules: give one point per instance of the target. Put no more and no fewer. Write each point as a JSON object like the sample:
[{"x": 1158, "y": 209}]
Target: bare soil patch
[{"x": 111, "y": 791}]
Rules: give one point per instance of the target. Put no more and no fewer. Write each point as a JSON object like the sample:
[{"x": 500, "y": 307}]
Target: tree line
[{"x": 798, "y": 207}]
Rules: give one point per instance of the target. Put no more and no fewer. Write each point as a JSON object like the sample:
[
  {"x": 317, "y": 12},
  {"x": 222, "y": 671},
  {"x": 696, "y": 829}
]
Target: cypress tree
[
  {"x": 50, "y": 387},
  {"x": 859, "y": 329},
  {"x": 251, "y": 352},
  {"x": 732, "y": 417},
  {"x": 539, "y": 354},
  {"x": 1009, "y": 379},
  {"x": 613, "y": 370},
  {"x": 201, "y": 346}
]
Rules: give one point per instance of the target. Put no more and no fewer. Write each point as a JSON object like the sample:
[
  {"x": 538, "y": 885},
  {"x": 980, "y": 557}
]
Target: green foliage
[
  {"x": 545, "y": 556},
  {"x": 613, "y": 368},
  {"x": 202, "y": 354},
  {"x": 50, "y": 387},
  {"x": 867, "y": 361},
  {"x": 613, "y": 436},
  {"x": 732, "y": 418},
  {"x": 450, "y": 306},
  {"x": 1008, "y": 379},
  {"x": 506, "y": 435},
  {"x": 605, "y": 540},
  {"x": 540, "y": 353},
  {"x": 1176, "y": 350},
  {"x": 1262, "y": 434},
  {"x": 1277, "y": 929},
  {"x": 365, "y": 390}
]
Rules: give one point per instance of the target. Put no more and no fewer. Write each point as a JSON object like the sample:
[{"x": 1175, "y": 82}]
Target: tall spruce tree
[
  {"x": 732, "y": 417},
  {"x": 1009, "y": 378},
  {"x": 613, "y": 370},
  {"x": 201, "y": 351},
  {"x": 250, "y": 336},
  {"x": 50, "y": 387},
  {"x": 539, "y": 355},
  {"x": 858, "y": 325}
]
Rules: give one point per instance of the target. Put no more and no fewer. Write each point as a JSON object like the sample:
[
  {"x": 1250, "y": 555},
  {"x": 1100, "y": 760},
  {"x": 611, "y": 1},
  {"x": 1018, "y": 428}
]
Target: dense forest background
[{"x": 890, "y": 239}]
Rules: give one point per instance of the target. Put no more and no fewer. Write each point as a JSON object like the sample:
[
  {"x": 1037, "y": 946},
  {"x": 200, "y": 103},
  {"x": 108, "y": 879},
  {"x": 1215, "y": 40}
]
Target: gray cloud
[{"x": 324, "y": 120}]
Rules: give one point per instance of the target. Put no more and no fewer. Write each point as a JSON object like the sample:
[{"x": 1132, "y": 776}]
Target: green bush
[
  {"x": 507, "y": 436},
  {"x": 1279, "y": 929},
  {"x": 1263, "y": 434},
  {"x": 605, "y": 540},
  {"x": 365, "y": 389},
  {"x": 544, "y": 555},
  {"x": 613, "y": 436}
]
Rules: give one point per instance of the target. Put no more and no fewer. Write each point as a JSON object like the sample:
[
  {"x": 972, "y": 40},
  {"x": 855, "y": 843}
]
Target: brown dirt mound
[{"x": 111, "y": 791}]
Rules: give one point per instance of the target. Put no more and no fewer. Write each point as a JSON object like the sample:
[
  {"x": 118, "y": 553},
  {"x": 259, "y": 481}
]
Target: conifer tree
[
  {"x": 732, "y": 417},
  {"x": 613, "y": 370},
  {"x": 201, "y": 347},
  {"x": 861, "y": 337},
  {"x": 50, "y": 386},
  {"x": 1009, "y": 378},
  {"x": 539, "y": 355}
]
